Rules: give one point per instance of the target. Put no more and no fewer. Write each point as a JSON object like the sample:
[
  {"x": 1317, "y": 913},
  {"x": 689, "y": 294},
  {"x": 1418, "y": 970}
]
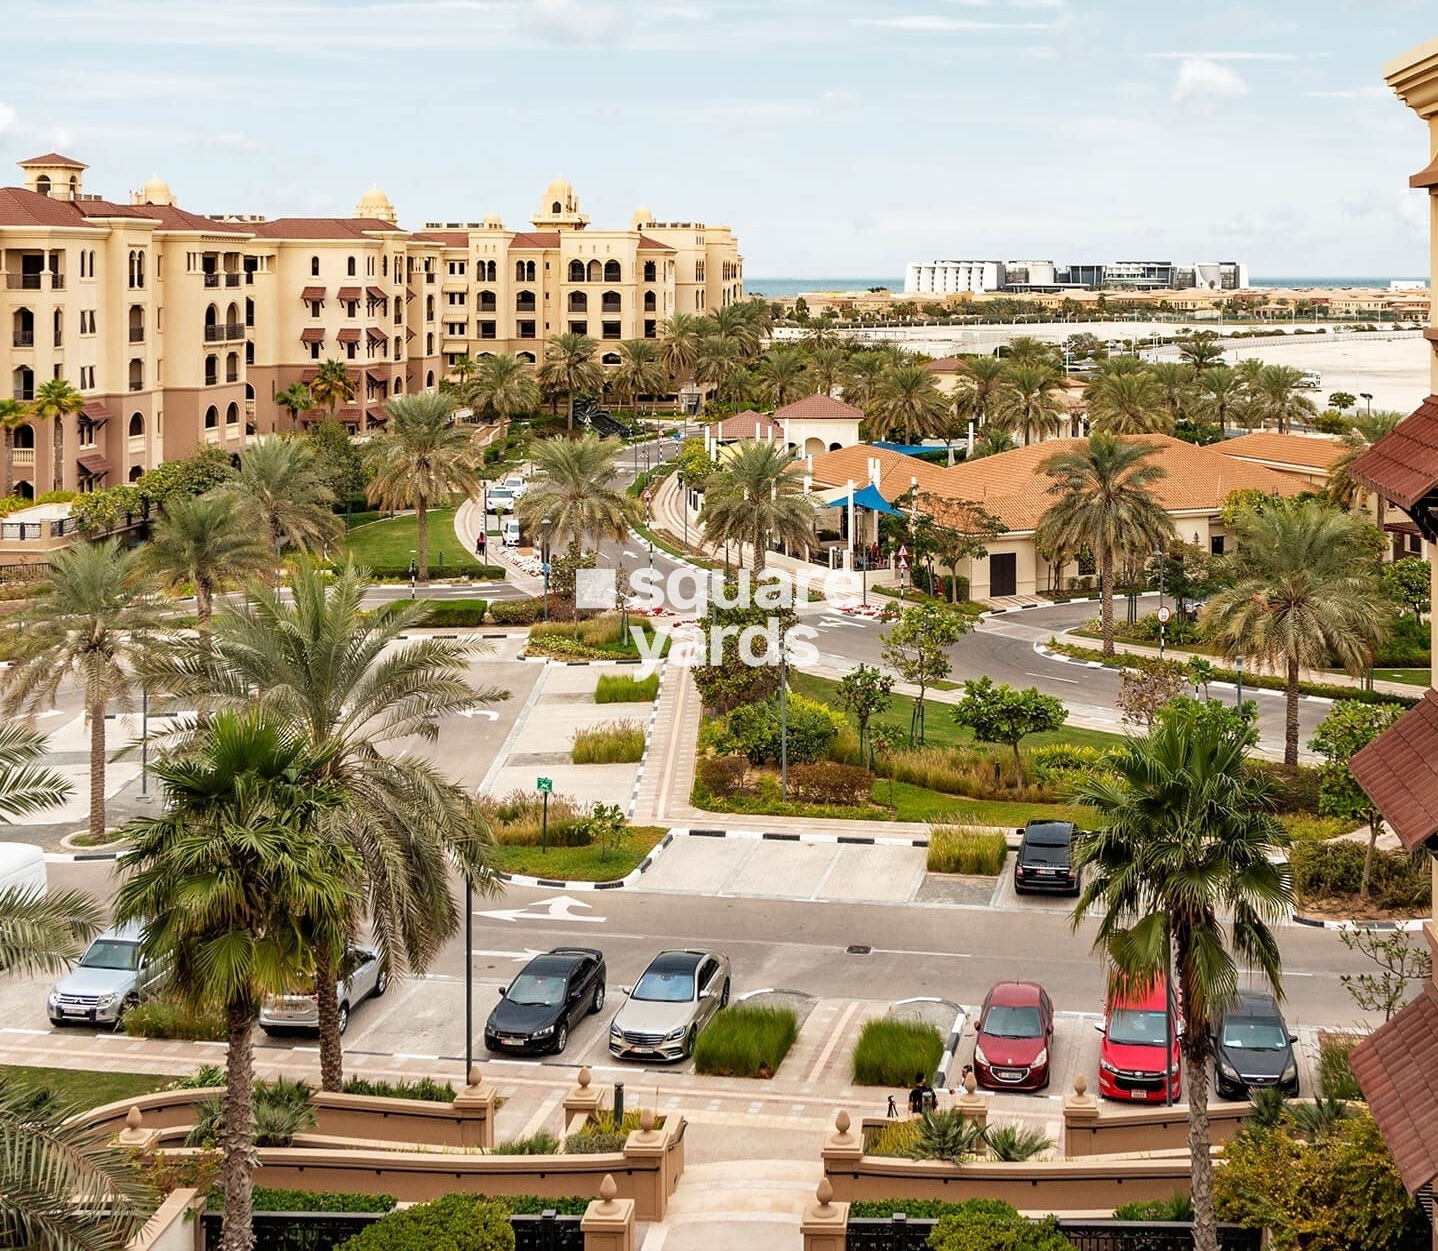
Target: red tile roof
[
  {"x": 1301, "y": 451},
  {"x": 172, "y": 218},
  {"x": 749, "y": 425},
  {"x": 1398, "y": 771},
  {"x": 19, "y": 207},
  {"x": 947, "y": 365},
  {"x": 1397, "y": 1066},
  {"x": 819, "y": 408},
  {"x": 646, "y": 244},
  {"x": 54, "y": 158},
  {"x": 535, "y": 239},
  {"x": 449, "y": 238},
  {"x": 107, "y": 208},
  {"x": 98, "y": 410},
  {"x": 322, "y": 227},
  {"x": 1403, "y": 466},
  {"x": 94, "y": 464}
]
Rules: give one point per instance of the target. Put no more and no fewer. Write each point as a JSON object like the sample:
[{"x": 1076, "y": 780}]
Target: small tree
[
  {"x": 605, "y": 827},
  {"x": 1409, "y": 584},
  {"x": 1348, "y": 728},
  {"x": 1342, "y": 400},
  {"x": 917, "y": 647},
  {"x": 1401, "y": 961},
  {"x": 863, "y": 694},
  {"x": 1146, "y": 686},
  {"x": 1000, "y": 714},
  {"x": 1201, "y": 672}
]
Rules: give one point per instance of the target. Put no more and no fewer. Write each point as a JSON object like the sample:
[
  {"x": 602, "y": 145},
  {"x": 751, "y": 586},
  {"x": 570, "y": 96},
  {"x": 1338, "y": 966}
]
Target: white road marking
[
  {"x": 1052, "y": 677},
  {"x": 527, "y": 954},
  {"x": 560, "y": 908}
]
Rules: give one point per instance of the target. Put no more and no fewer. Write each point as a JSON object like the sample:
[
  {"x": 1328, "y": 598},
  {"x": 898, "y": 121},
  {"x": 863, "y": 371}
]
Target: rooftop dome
[
  {"x": 642, "y": 217},
  {"x": 157, "y": 191},
  {"x": 375, "y": 204},
  {"x": 493, "y": 222}
]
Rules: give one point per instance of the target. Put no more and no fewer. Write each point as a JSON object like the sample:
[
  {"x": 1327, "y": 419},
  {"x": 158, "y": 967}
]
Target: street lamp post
[
  {"x": 1158, "y": 551},
  {"x": 1367, "y": 398},
  {"x": 144, "y": 742},
  {"x": 783, "y": 721},
  {"x": 1238, "y": 668},
  {"x": 413, "y": 572},
  {"x": 468, "y": 975},
  {"x": 544, "y": 560}
]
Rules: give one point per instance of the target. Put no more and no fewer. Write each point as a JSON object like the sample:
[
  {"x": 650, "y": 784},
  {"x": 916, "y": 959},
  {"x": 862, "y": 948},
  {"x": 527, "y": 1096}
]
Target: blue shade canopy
[{"x": 868, "y": 498}]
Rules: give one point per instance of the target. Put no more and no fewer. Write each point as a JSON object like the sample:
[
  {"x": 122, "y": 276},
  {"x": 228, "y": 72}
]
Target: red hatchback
[{"x": 1016, "y": 1029}]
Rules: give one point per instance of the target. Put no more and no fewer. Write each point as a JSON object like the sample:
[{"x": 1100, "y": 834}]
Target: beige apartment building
[{"x": 180, "y": 329}]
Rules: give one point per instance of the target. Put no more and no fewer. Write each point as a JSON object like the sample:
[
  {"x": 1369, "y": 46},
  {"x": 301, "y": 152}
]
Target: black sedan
[
  {"x": 539, "y": 1008},
  {"x": 1254, "y": 1048}
]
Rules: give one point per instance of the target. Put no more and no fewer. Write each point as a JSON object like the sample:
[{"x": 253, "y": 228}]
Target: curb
[
  {"x": 1414, "y": 926},
  {"x": 62, "y": 857},
  {"x": 863, "y": 840},
  {"x": 951, "y": 1047},
  {"x": 662, "y": 669},
  {"x": 551, "y": 883}
]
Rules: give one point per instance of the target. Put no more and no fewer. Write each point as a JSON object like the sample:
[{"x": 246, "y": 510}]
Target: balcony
[
  {"x": 137, "y": 384},
  {"x": 232, "y": 280},
  {"x": 23, "y": 282},
  {"x": 224, "y": 333},
  {"x": 212, "y": 280},
  {"x": 609, "y": 304},
  {"x": 137, "y": 334},
  {"x": 136, "y": 443},
  {"x": 22, "y": 457},
  {"x": 24, "y": 338}
]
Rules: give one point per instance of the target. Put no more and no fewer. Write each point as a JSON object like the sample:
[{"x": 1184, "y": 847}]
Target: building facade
[
  {"x": 952, "y": 277},
  {"x": 977, "y": 277}
]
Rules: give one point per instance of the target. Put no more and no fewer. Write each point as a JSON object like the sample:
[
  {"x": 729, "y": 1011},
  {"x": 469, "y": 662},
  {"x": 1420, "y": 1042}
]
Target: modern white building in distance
[{"x": 955, "y": 277}]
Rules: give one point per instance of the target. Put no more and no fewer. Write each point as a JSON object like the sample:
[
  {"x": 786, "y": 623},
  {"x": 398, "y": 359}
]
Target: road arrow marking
[
  {"x": 478, "y": 712},
  {"x": 560, "y": 908},
  {"x": 527, "y": 954}
]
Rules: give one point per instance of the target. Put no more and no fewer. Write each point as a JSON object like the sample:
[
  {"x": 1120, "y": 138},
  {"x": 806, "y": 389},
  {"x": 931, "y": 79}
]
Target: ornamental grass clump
[
  {"x": 746, "y": 1041},
  {"x": 967, "y": 849},
  {"x": 890, "y": 1052}
]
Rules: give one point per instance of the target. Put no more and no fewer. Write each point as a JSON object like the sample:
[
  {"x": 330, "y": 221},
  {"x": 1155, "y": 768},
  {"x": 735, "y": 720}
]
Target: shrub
[
  {"x": 890, "y": 1052},
  {"x": 1335, "y": 1075},
  {"x": 518, "y": 611},
  {"x": 604, "y": 1134},
  {"x": 614, "y": 742},
  {"x": 754, "y": 730},
  {"x": 828, "y": 783},
  {"x": 894, "y": 1138},
  {"x": 166, "y": 1017},
  {"x": 625, "y": 689},
  {"x": 947, "y": 1135},
  {"x": 723, "y": 776},
  {"x": 746, "y": 1041},
  {"x": 455, "y": 1222},
  {"x": 281, "y": 1108},
  {"x": 533, "y": 1205},
  {"x": 400, "y": 573},
  {"x": 206, "y": 1077},
  {"x": 267, "y": 1199},
  {"x": 965, "y": 849},
  {"x": 422, "y": 1088},
  {"x": 989, "y": 1230},
  {"x": 1013, "y": 1143},
  {"x": 1297, "y": 785},
  {"x": 1063, "y": 765},
  {"x": 928, "y": 1209},
  {"x": 535, "y": 1144},
  {"x": 464, "y": 613},
  {"x": 1335, "y": 871},
  {"x": 516, "y": 819},
  {"x": 951, "y": 771},
  {"x": 1305, "y": 828},
  {"x": 1174, "y": 1208}
]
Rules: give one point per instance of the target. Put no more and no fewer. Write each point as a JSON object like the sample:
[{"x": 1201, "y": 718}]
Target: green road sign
[{"x": 546, "y": 785}]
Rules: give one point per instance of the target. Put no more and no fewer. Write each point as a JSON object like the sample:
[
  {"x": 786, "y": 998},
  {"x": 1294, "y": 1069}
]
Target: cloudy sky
[{"x": 838, "y": 137}]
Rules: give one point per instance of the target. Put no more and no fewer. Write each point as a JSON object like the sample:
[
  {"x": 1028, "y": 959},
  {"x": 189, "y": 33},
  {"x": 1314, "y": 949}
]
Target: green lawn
[
  {"x": 915, "y": 803},
  {"x": 582, "y": 864},
  {"x": 387, "y": 544},
  {"x": 1413, "y": 677},
  {"x": 84, "y": 1088}
]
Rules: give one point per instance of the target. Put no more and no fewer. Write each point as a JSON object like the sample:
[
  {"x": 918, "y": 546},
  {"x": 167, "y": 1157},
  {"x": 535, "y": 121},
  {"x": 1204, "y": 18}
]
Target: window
[
  {"x": 525, "y": 330},
  {"x": 350, "y": 267},
  {"x": 212, "y": 417},
  {"x": 651, "y": 328},
  {"x": 249, "y": 353},
  {"x": 137, "y": 270},
  {"x": 579, "y": 327},
  {"x": 459, "y": 298},
  {"x": 397, "y": 347},
  {"x": 524, "y": 271},
  {"x": 384, "y": 266},
  {"x": 487, "y": 302},
  {"x": 351, "y": 308},
  {"x": 314, "y": 308},
  {"x": 578, "y": 302},
  {"x": 455, "y": 329},
  {"x": 611, "y": 271},
  {"x": 314, "y": 351},
  {"x": 649, "y": 302},
  {"x": 351, "y": 351},
  {"x": 650, "y": 271},
  {"x": 137, "y": 425},
  {"x": 58, "y": 321},
  {"x": 1215, "y": 544},
  {"x": 609, "y": 358},
  {"x": 398, "y": 312},
  {"x": 369, "y": 266},
  {"x": 611, "y": 330},
  {"x": 610, "y": 302},
  {"x": 698, "y": 271},
  {"x": 249, "y": 312},
  {"x": 456, "y": 268},
  {"x": 87, "y": 321},
  {"x": 524, "y": 302},
  {"x": 314, "y": 267},
  {"x": 429, "y": 346},
  {"x": 212, "y": 370},
  {"x": 232, "y": 414},
  {"x": 429, "y": 308},
  {"x": 576, "y": 271},
  {"x": 595, "y": 272},
  {"x": 486, "y": 330}
]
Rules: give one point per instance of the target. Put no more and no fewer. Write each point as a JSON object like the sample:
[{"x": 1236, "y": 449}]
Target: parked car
[
  {"x": 515, "y": 485},
  {"x": 499, "y": 499},
  {"x": 672, "y": 1001},
  {"x": 111, "y": 978},
  {"x": 1131, "y": 1054},
  {"x": 552, "y": 993},
  {"x": 1253, "y": 1048},
  {"x": 1045, "y": 859},
  {"x": 1015, "y": 1032},
  {"x": 510, "y": 533},
  {"x": 362, "y": 978}
]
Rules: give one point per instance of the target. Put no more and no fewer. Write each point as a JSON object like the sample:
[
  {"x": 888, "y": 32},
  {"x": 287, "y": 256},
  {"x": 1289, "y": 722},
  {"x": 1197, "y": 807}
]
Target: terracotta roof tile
[
  {"x": 1398, "y": 771},
  {"x": 448, "y": 238},
  {"x": 19, "y": 207},
  {"x": 312, "y": 334},
  {"x": 748, "y": 425},
  {"x": 819, "y": 408},
  {"x": 1303, "y": 451},
  {"x": 378, "y": 294},
  {"x": 172, "y": 218},
  {"x": 646, "y": 244},
  {"x": 896, "y": 471},
  {"x": 535, "y": 239},
  {"x": 1397, "y": 1066},
  {"x": 322, "y": 228},
  {"x": 947, "y": 365},
  {"x": 107, "y": 208},
  {"x": 1403, "y": 466},
  {"x": 54, "y": 158},
  {"x": 312, "y": 293},
  {"x": 376, "y": 335}
]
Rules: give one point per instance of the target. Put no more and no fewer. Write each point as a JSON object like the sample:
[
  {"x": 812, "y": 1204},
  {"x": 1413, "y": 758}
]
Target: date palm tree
[
  {"x": 737, "y": 323},
  {"x": 575, "y": 489},
  {"x": 1276, "y": 397},
  {"x": 907, "y": 404},
  {"x": 980, "y": 387},
  {"x": 1127, "y": 403},
  {"x": 101, "y": 616},
  {"x": 679, "y": 338},
  {"x": 232, "y": 884},
  {"x": 1202, "y": 351},
  {"x": 570, "y": 368},
  {"x": 54, "y": 401},
  {"x": 280, "y": 485},
  {"x": 780, "y": 375},
  {"x": 503, "y": 386},
  {"x": 1104, "y": 503},
  {"x": 860, "y": 377},
  {"x": 1028, "y": 401},
  {"x": 639, "y": 372},
  {"x": 1223, "y": 398},
  {"x": 206, "y": 542},
  {"x": 1175, "y": 382},
  {"x": 828, "y": 365},
  {"x": 332, "y": 386},
  {"x": 1306, "y": 595},
  {"x": 463, "y": 369},
  {"x": 424, "y": 458},
  {"x": 716, "y": 359},
  {"x": 355, "y": 690},
  {"x": 1186, "y": 871},
  {"x": 298, "y": 398},
  {"x": 12, "y": 415},
  {"x": 756, "y": 495}
]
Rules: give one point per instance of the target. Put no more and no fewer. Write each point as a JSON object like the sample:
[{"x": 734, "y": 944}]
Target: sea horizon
[{"x": 788, "y": 287}]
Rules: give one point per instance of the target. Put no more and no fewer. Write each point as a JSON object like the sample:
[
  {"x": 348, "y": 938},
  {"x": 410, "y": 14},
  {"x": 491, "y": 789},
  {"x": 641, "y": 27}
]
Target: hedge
[
  {"x": 400, "y": 573},
  {"x": 424, "y": 1088},
  {"x": 469, "y": 612},
  {"x": 1335, "y": 871}
]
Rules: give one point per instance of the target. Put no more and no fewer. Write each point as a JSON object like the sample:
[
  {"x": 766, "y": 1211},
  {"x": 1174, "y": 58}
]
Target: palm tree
[
  {"x": 575, "y": 490},
  {"x": 1364, "y": 430},
  {"x": 780, "y": 376},
  {"x": 332, "y": 386},
  {"x": 737, "y": 323},
  {"x": 1175, "y": 382},
  {"x": 1029, "y": 400},
  {"x": 297, "y": 398},
  {"x": 570, "y": 368},
  {"x": 1306, "y": 595},
  {"x": 639, "y": 372},
  {"x": 12, "y": 414},
  {"x": 756, "y": 495},
  {"x": 1127, "y": 403},
  {"x": 232, "y": 884},
  {"x": 981, "y": 384},
  {"x": 281, "y": 485},
  {"x": 828, "y": 366},
  {"x": 1277, "y": 399},
  {"x": 1223, "y": 398},
  {"x": 1026, "y": 350},
  {"x": 463, "y": 369},
  {"x": 101, "y": 616},
  {"x": 354, "y": 690},
  {"x": 1202, "y": 351},
  {"x": 1189, "y": 841},
  {"x": 679, "y": 344},
  {"x": 424, "y": 458},
  {"x": 54, "y": 401},
  {"x": 1105, "y": 504},
  {"x": 25, "y": 786},
  {"x": 715, "y": 361},
  {"x": 504, "y": 386},
  {"x": 860, "y": 377},
  {"x": 906, "y": 403},
  {"x": 207, "y": 542}
]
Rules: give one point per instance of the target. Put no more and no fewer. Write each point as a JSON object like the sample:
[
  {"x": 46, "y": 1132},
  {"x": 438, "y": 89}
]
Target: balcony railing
[
  {"x": 137, "y": 334},
  {"x": 232, "y": 280},
  {"x": 137, "y": 384},
  {"x": 24, "y": 338},
  {"x": 212, "y": 280},
  {"x": 221, "y": 334},
  {"x": 212, "y": 380},
  {"x": 24, "y": 393},
  {"x": 429, "y": 277},
  {"x": 609, "y": 306},
  {"x": 57, "y": 282},
  {"x": 136, "y": 443},
  {"x": 23, "y": 282},
  {"x": 22, "y": 457}
]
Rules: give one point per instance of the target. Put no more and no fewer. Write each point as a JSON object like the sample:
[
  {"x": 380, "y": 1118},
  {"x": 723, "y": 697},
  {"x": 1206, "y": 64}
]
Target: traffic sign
[
  {"x": 1164, "y": 614},
  {"x": 546, "y": 785},
  {"x": 903, "y": 551},
  {"x": 903, "y": 564}
]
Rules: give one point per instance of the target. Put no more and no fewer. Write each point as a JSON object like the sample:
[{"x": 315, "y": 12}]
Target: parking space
[{"x": 1010, "y": 900}]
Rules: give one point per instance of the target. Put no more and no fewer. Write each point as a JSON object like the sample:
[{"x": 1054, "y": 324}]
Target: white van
[
  {"x": 22, "y": 868},
  {"x": 511, "y": 533},
  {"x": 1312, "y": 380}
]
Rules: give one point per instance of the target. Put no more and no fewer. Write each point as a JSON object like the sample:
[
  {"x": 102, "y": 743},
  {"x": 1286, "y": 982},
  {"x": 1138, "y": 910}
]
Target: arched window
[
  {"x": 139, "y": 269},
  {"x": 576, "y": 271},
  {"x": 137, "y": 425},
  {"x": 232, "y": 367},
  {"x": 249, "y": 391},
  {"x": 398, "y": 382},
  {"x": 232, "y": 414},
  {"x": 649, "y": 305},
  {"x": 610, "y": 302},
  {"x": 396, "y": 347},
  {"x": 25, "y": 490},
  {"x": 611, "y": 271},
  {"x": 74, "y": 186},
  {"x": 578, "y": 301},
  {"x": 596, "y": 271},
  {"x": 212, "y": 370},
  {"x": 137, "y": 323},
  {"x": 24, "y": 435},
  {"x": 212, "y": 318},
  {"x": 42, "y": 186},
  {"x": 609, "y": 358},
  {"x": 493, "y": 274},
  {"x": 136, "y": 472},
  {"x": 212, "y": 417},
  {"x": 384, "y": 265},
  {"x": 314, "y": 267},
  {"x": 249, "y": 312},
  {"x": 137, "y": 375},
  {"x": 24, "y": 383},
  {"x": 23, "y": 322},
  {"x": 232, "y": 315},
  {"x": 429, "y": 308},
  {"x": 350, "y": 269},
  {"x": 58, "y": 323},
  {"x": 556, "y": 207},
  {"x": 429, "y": 379},
  {"x": 526, "y": 356},
  {"x": 429, "y": 350},
  {"x": 249, "y": 353},
  {"x": 519, "y": 271}
]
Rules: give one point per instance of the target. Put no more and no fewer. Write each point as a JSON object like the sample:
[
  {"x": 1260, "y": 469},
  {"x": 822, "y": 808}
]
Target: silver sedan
[{"x": 672, "y": 1001}]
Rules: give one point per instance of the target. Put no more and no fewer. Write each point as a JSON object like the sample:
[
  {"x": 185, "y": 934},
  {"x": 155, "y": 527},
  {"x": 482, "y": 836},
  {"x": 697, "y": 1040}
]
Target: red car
[
  {"x": 1016, "y": 1029},
  {"x": 1131, "y": 1055}
]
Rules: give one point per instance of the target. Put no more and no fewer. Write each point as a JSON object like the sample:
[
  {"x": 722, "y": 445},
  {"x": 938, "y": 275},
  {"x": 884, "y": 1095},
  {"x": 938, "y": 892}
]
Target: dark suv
[{"x": 1045, "y": 859}]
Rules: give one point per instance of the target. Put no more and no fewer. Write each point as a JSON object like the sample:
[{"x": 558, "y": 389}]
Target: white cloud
[
  {"x": 1200, "y": 78},
  {"x": 571, "y": 21},
  {"x": 7, "y": 117}
]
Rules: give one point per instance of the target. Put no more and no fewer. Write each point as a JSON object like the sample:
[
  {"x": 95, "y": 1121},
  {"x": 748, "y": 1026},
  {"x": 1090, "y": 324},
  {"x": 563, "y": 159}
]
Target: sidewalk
[{"x": 468, "y": 518}]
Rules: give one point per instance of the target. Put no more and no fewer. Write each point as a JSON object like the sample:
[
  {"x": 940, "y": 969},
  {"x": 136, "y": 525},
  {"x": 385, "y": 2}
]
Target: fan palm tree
[
  {"x": 12, "y": 415},
  {"x": 332, "y": 386},
  {"x": 780, "y": 375},
  {"x": 756, "y": 495},
  {"x": 679, "y": 340},
  {"x": 101, "y": 616},
  {"x": 1029, "y": 402},
  {"x": 55, "y": 400},
  {"x": 206, "y": 542},
  {"x": 1127, "y": 403},
  {"x": 424, "y": 458},
  {"x": 574, "y": 488},
  {"x": 1189, "y": 842},
  {"x": 232, "y": 884},
  {"x": 1306, "y": 595},
  {"x": 297, "y": 398},
  {"x": 1104, "y": 503},
  {"x": 503, "y": 386},
  {"x": 1364, "y": 430},
  {"x": 906, "y": 404},
  {"x": 570, "y": 368},
  {"x": 280, "y": 484},
  {"x": 639, "y": 372},
  {"x": 354, "y": 690},
  {"x": 1276, "y": 397}
]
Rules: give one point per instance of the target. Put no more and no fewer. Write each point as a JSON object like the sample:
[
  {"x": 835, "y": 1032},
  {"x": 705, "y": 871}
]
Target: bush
[
  {"x": 723, "y": 776},
  {"x": 746, "y": 1041},
  {"x": 1407, "y": 645},
  {"x": 604, "y": 1134},
  {"x": 896, "y": 1138},
  {"x": 166, "y": 1017},
  {"x": 987, "y": 1229},
  {"x": 519, "y": 611},
  {"x": 465, "y": 613},
  {"x": 536, "y": 1144},
  {"x": 927, "y": 1209},
  {"x": 1335, "y": 1075},
  {"x": 614, "y": 742},
  {"x": 1334, "y": 871},
  {"x": 454, "y": 1223},
  {"x": 890, "y": 1052},
  {"x": 965, "y": 849},
  {"x": 281, "y": 1110},
  {"x": 516, "y": 819},
  {"x": 624, "y": 689},
  {"x": 1304, "y": 828},
  {"x": 754, "y": 730},
  {"x": 828, "y": 783},
  {"x": 1064, "y": 765},
  {"x": 422, "y": 1088},
  {"x": 965, "y": 771},
  {"x": 266, "y": 1199},
  {"x": 205, "y": 1077},
  {"x": 1174, "y": 1208},
  {"x": 400, "y": 573},
  {"x": 1297, "y": 785}
]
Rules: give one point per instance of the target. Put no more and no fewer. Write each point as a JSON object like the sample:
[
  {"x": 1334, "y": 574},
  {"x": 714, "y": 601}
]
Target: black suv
[
  {"x": 1045, "y": 859},
  {"x": 1254, "y": 1048}
]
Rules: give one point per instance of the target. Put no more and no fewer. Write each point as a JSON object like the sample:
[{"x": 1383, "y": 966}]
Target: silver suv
[
  {"x": 363, "y": 977},
  {"x": 673, "y": 1000},
  {"x": 110, "y": 979}
]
